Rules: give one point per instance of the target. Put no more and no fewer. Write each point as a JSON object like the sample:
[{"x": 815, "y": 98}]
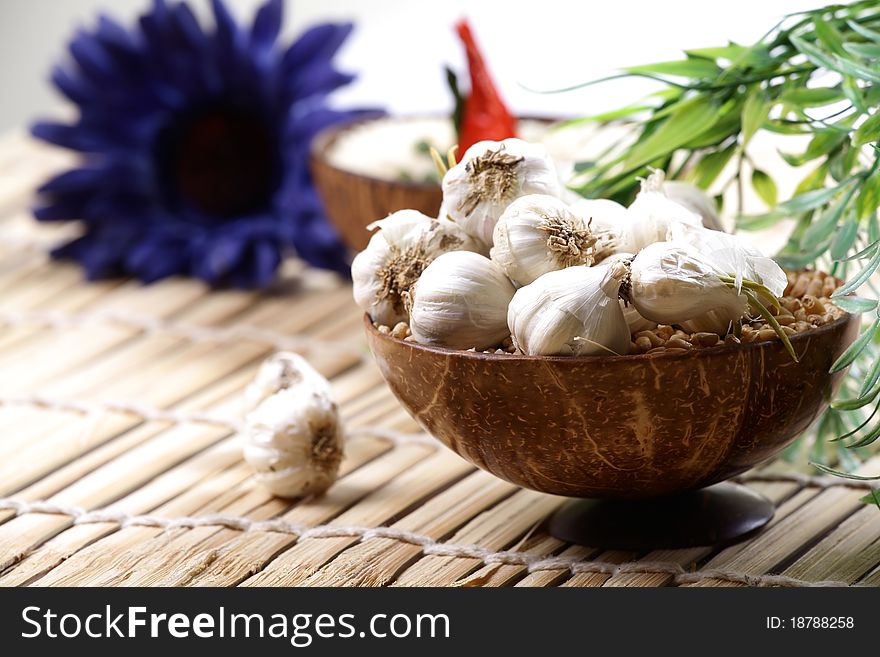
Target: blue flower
[{"x": 195, "y": 147}]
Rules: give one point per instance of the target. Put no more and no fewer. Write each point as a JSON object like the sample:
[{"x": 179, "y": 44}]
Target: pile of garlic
[{"x": 512, "y": 256}]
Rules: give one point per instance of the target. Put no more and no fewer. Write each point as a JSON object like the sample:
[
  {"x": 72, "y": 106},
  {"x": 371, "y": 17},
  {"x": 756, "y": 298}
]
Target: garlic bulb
[
  {"x": 671, "y": 283},
  {"x": 601, "y": 214},
  {"x": 650, "y": 216},
  {"x": 489, "y": 177},
  {"x": 293, "y": 437},
  {"x": 278, "y": 372},
  {"x": 696, "y": 200},
  {"x": 734, "y": 256},
  {"x": 634, "y": 320},
  {"x": 571, "y": 312},
  {"x": 407, "y": 241},
  {"x": 460, "y": 301},
  {"x": 539, "y": 233}
]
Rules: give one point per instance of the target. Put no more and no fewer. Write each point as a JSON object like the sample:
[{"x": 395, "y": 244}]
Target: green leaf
[
  {"x": 871, "y": 378},
  {"x": 821, "y": 228},
  {"x": 809, "y": 200},
  {"x": 710, "y": 166},
  {"x": 765, "y": 187},
  {"x": 754, "y": 113},
  {"x": 867, "y": 132},
  {"x": 856, "y": 305},
  {"x": 729, "y": 52},
  {"x": 760, "y": 221},
  {"x": 869, "y": 197},
  {"x": 867, "y": 50},
  {"x": 829, "y": 36},
  {"x": 844, "y": 475},
  {"x": 798, "y": 259},
  {"x": 844, "y": 240},
  {"x": 691, "y": 118},
  {"x": 693, "y": 67},
  {"x": 869, "y": 34},
  {"x": 815, "y": 97},
  {"x": 853, "y": 404},
  {"x": 855, "y": 69},
  {"x": 859, "y": 279},
  {"x": 856, "y": 348},
  {"x": 605, "y": 117},
  {"x": 814, "y": 54},
  {"x": 853, "y": 93},
  {"x": 867, "y": 252},
  {"x": 871, "y": 498}
]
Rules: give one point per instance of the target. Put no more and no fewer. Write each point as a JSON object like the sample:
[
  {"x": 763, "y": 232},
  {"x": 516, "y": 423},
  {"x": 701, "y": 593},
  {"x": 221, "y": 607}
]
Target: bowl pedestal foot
[{"x": 723, "y": 513}]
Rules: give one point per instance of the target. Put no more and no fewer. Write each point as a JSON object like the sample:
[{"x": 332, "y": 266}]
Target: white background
[{"x": 399, "y": 47}]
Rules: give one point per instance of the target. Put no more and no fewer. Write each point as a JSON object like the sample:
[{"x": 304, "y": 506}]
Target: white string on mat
[
  {"x": 428, "y": 546},
  {"x": 153, "y": 414},
  {"x": 149, "y": 325}
]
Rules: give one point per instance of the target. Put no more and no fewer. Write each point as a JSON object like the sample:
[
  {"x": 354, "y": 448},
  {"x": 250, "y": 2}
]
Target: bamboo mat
[{"x": 119, "y": 463}]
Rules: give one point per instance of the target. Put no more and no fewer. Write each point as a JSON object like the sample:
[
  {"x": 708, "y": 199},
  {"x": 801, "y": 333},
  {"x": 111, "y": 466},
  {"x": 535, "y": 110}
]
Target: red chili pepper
[{"x": 484, "y": 115}]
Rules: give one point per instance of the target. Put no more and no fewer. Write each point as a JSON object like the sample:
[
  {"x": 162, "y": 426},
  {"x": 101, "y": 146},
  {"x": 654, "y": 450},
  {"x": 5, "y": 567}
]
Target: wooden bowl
[
  {"x": 617, "y": 426},
  {"x": 352, "y": 200}
]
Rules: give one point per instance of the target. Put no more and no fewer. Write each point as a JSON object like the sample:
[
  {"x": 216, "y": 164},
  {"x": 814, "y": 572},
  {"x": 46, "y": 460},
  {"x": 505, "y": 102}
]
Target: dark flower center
[{"x": 221, "y": 162}]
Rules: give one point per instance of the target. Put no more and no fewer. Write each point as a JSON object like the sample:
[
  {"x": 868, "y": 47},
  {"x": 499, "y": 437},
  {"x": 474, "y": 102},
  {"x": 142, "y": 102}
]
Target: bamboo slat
[{"x": 123, "y": 399}]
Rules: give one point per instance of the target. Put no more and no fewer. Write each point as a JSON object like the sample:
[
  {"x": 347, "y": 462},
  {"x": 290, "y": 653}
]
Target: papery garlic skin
[
  {"x": 490, "y": 176},
  {"x": 601, "y": 214},
  {"x": 734, "y": 256},
  {"x": 406, "y": 242},
  {"x": 633, "y": 319},
  {"x": 696, "y": 200},
  {"x": 537, "y": 234},
  {"x": 671, "y": 283},
  {"x": 651, "y": 215},
  {"x": 280, "y": 371},
  {"x": 571, "y": 312},
  {"x": 293, "y": 437},
  {"x": 460, "y": 301}
]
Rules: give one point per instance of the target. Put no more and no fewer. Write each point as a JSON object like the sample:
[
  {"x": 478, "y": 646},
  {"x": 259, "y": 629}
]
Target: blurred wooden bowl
[
  {"x": 353, "y": 200},
  {"x": 617, "y": 426}
]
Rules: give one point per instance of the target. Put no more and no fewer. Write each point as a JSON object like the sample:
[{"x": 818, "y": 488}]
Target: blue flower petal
[
  {"x": 139, "y": 93},
  {"x": 267, "y": 24}
]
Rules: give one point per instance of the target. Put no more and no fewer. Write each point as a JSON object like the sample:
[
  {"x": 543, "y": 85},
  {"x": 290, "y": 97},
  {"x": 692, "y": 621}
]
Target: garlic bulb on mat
[
  {"x": 489, "y": 177},
  {"x": 539, "y": 233},
  {"x": 461, "y": 301},
  {"x": 293, "y": 435},
  {"x": 406, "y": 242},
  {"x": 571, "y": 312}
]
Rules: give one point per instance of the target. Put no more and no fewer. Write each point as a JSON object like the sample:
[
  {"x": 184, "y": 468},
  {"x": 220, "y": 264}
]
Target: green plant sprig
[{"x": 815, "y": 74}]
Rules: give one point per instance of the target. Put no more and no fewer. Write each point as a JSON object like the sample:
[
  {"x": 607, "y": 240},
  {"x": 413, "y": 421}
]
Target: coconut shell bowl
[
  {"x": 644, "y": 440},
  {"x": 353, "y": 200}
]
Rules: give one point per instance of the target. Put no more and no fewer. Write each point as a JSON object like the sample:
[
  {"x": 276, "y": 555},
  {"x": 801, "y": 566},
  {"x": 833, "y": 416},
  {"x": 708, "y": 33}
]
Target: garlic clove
[
  {"x": 734, "y": 256},
  {"x": 671, "y": 283},
  {"x": 571, "y": 312},
  {"x": 537, "y": 234},
  {"x": 280, "y": 371},
  {"x": 460, "y": 301},
  {"x": 490, "y": 176},
  {"x": 406, "y": 242},
  {"x": 293, "y": 437},
  {"x": 651, "y": 215},
  {"x": 696, "y": 200},
  {"x": 601, "y": 214}
]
